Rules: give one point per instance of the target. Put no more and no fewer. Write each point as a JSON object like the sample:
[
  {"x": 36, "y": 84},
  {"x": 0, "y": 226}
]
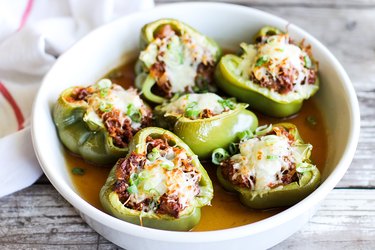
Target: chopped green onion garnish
[
  {"x": 153, "y": 155},
  {"x": 263, "y": 130},
  {"x": 168, "y": 165},
  {"x": 153, "y": 192},
  {"x": 227, "y": 103},
  {"x": 196, "y": 88},
  {"x": 311, "y": 120},
  {"x": 272, "y": 157},
  {"x": 78, "y": 171},
  {"x": 261, "y": 60},
  {"x": 233, "y": 148},
  {"x": 191, "y": 111},
  {"x": 136, "y": 117},
  {"x": 104, "y": 84},
  {"x": 244, "y": 135},
  {"x": 132, "y": 189},
  {"x": 103, "y": 92},
  {"x": 133, "y": 180},
  {"x": 134, "y": 113},
  {"x": 307, "y": 61},
  {"x": 218, "y": 155},
  {"x": 105, "y": 106}
]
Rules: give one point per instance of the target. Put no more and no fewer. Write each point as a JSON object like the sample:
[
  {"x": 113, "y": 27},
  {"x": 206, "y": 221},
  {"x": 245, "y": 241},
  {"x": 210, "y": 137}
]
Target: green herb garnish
[
  {"x": 78, "y": 171},
  {"x": 311, "y": 120},
  {"x": 263, "y": 130},
  {"x": 104, "y": 84},
  {"x": 227, "y": 103},
  {"x": 218, "y": 155},
  {"x": 168, "y": 165},
  {"x": 307, "y": 61},
  {"x": 272, "y": 157},
  {"x": 244, "y": 135},
  {"x": 132, "y": 189},
  {"x": 104, "y": 92},
  {"x": 191, "y": 111},
  {"x": 105, "y": 106},
  {"x": 261, "y": 60},
  {"x": 233, "y": 148},
  {"x": 153, "y": 155},
  {"x": 134, "y": 113}
]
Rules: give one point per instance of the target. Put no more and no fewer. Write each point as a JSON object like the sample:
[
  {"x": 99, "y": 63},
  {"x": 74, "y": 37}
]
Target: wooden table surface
[{"x": 38, "y": 217}]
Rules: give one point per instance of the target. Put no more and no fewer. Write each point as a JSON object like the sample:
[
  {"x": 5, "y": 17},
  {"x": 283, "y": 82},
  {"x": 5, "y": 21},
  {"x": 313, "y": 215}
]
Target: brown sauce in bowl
[{"x": 226, "y": 210}]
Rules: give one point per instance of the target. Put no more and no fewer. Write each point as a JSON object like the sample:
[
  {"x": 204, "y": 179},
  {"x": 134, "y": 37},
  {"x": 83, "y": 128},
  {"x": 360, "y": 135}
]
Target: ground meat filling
[
  {"x": 80, "y": 94},
  {"x": 206, "y": 113},
  {"x": 122, "y": 132},
  {"x": 168, "y": 203},
  {"x": 283, "y": 82},
  {"x": 231, "y": 174},
  {"x": 287, "y": 176},
  {"x": 124, "y": 168},
  {"x": 205, "y": 75},
  {"x": 205, "y": 70},
  {"x": 118, "y": 125}
]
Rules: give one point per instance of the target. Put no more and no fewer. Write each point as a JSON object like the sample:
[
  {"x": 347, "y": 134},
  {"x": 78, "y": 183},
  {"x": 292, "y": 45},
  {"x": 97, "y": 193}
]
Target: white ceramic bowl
[{"x": 109, "y": 45}]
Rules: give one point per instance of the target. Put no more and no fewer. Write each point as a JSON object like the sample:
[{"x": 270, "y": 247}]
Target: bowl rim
[{"x": 224, "y": 234}]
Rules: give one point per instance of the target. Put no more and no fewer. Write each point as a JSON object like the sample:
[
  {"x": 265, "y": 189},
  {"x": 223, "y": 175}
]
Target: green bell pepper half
[
  {"x": 144, "y": 80},
  {"x": 84, "y": 138},
  {"x": 259, "y": 98},
  {"x": 206, "y": 134},
  {"x": 288, "y": 195},
  {"x": 188, "y": 218}
]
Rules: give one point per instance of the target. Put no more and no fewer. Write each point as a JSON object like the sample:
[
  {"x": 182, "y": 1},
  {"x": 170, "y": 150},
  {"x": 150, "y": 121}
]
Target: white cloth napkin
[{"x": 33, "y": 33}]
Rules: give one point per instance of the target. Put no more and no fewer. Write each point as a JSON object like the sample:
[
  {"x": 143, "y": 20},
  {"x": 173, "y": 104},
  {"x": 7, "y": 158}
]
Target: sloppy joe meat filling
[
  {"x": 162, "y": 180},
  {"x": 120, "y": 111}
]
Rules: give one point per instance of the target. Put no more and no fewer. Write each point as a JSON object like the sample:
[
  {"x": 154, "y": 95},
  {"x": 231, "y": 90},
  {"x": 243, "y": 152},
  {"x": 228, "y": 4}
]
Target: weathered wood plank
[{"x": 38, "y": 217}]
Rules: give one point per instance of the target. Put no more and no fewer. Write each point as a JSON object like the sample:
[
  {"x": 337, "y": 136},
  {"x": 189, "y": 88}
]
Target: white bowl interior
[{"x": 230, "y": 25}]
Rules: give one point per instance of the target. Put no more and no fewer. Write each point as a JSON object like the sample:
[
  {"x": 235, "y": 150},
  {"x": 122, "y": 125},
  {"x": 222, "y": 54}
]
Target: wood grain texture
[{"x": 38, "y": 217}]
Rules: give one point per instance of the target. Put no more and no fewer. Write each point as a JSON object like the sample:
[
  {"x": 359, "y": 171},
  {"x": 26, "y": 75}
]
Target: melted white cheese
[
  {"x": 203, "y": 101},
  {"x": 181, "y": 56},
  {"x": 277, "y": 52},
  {"x": 263, "y": 158},
  {"x": 115, "y": 97},
  {"x": 280, "y": 53},
  {"x": 164, "y": 175}
]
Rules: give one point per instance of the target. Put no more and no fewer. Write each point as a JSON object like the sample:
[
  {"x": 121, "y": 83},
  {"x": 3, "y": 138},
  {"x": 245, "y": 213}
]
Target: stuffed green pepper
[
  {"x": 274, "y": 75},
  {"x": 159, "y": 184},
  {"x": 97, "y": 122},
  {"x": 205, "y": 121},
  {"x": 175, "y": 58},
  {"x": 269, "y": 168}
]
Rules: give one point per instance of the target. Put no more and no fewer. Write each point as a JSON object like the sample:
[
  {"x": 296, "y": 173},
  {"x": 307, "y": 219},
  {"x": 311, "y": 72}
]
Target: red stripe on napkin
[
  {"x": 3, "y": 90},
  {"x": 26, "y": 14},
  {"x": 13, "y": 104}
]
